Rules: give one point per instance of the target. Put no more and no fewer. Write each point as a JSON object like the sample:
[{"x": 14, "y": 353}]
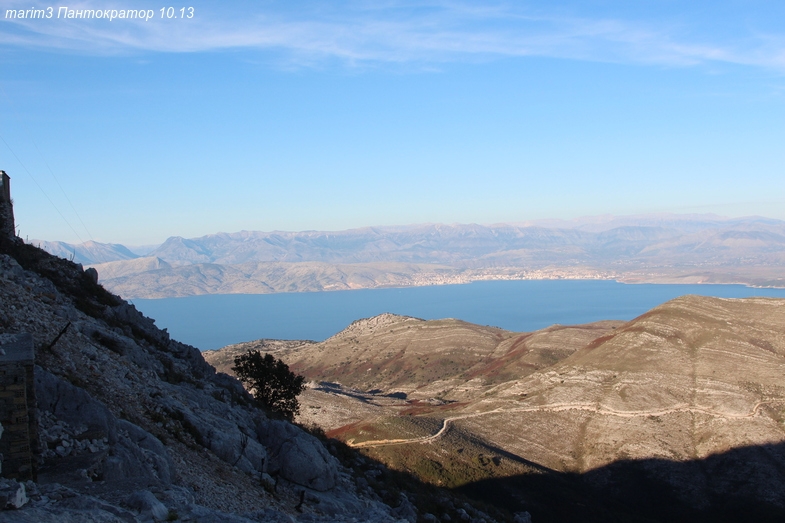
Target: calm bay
[{"x": 213, "y": 321}]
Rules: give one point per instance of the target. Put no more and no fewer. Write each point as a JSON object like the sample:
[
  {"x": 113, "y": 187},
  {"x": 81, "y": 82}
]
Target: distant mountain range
[{"x": 666, "y": 247}]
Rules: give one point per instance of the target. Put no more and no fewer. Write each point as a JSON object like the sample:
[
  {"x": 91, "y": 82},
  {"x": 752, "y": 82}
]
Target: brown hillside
[
  {"x": 690, "y": 378},
  {"x": 688, "y": 397},
  {"x": 446, "y": 358}
]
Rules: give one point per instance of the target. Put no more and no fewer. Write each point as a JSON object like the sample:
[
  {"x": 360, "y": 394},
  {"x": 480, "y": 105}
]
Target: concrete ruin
[{"x": 7, "y": 226}]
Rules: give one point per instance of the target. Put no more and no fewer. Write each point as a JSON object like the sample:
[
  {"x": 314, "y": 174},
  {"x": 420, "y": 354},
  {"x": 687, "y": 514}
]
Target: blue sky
[{"x": 267, "y": 115}]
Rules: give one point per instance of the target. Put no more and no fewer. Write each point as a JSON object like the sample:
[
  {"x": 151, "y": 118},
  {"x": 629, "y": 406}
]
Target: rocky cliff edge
[{"x": 135, "y": 426}]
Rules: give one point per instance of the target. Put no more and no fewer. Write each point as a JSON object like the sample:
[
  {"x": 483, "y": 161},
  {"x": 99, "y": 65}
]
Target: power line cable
[
  {"x": 42, "y": 189},
  {"x": 97, "y": 253},
  {"x": 61, "y": 189},
  {"x": 43, "y": 158}
]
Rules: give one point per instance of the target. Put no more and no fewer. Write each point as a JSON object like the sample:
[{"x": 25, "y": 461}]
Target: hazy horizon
[{"x": 544, "y": 222}]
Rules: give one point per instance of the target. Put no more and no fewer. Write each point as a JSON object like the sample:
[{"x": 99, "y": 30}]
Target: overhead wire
[
  {"x": 43, "y": 158},
  {"x": 41, "y": 188},
  {"x": 51, "y": 172}
]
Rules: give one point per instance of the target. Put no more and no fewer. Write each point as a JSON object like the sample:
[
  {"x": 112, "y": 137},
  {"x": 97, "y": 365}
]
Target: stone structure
[
  {"x": 7, "y": 227},
  {"x": 17, "y": 406}
]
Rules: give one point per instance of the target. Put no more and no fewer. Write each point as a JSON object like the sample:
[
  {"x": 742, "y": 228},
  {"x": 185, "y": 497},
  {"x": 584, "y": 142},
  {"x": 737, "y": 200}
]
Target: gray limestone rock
[
  {"x": 92, "y": 274},
  {"x": 144, "y": 502},
  {"x": 406, "y": 510},
  {"x": 222, "y": 435},
  {"x": 127, "y": 313},
  {"x": 199, "y": 513},
  {"x": 297, "y": 456},
  {"x": 113, "y": 365},
  {"x": 10, "y": 268},
  {"x": 133, "y": 451},
  {"x": 227, "y": 442},
  {"x": 59, "y": 515},
  {"x": 12, "y": 494},
  {"x": 127, "y": 460},
  {"x": 73, "y": 405},
  {"x": 80, "y": 502},
  {"x": 268, "y": 482},
  {"x": 153, "y": 450}
]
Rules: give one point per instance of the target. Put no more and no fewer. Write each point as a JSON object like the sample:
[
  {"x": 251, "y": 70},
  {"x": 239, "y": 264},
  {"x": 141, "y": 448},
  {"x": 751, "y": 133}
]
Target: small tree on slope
[{"x": 273, "y": 385}]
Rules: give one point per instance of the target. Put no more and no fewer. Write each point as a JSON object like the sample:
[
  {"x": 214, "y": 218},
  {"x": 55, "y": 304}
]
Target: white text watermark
[{"x": 66, "y": 13}]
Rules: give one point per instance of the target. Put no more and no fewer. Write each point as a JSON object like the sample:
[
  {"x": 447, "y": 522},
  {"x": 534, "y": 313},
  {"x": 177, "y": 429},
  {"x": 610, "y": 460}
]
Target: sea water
[{"x": 213, "y": 321}]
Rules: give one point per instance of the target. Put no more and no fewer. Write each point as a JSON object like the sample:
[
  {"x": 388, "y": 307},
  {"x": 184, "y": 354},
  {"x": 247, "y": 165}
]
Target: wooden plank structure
[{"x": 18, "y": 409}]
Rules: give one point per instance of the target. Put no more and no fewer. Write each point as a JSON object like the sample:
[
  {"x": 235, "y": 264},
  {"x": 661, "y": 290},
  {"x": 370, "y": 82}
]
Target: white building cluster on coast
[{"x": 470, "y": 275}]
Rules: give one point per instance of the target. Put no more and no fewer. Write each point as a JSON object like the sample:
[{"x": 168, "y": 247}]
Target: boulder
[
  {"x": 12, "y": 494},
  {"x": 224, "y": 438},
  {"x": 92, "y": 274},
  {"x": 147, "y": 450},
  {"x": 405, "y": 510},
  {"x": 297, "y": 456},
  {"x": 134, "y": 452},
  {"x": 144, "y": 502},
  {"x": 73, "y": 405}
]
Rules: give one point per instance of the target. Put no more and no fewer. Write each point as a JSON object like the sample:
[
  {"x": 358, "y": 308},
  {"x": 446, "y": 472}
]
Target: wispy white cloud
[{"x": 395, "y": 32}]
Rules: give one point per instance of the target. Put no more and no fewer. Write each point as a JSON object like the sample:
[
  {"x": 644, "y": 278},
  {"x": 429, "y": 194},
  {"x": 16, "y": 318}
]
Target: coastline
[{"x": 214, "y": 321}]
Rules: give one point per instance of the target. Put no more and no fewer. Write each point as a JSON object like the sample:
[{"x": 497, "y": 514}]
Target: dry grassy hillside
[
  {"x": 693, "y": 377},
  {"x": 449, "y": 359},
  {"x": 686, "y": 402}
]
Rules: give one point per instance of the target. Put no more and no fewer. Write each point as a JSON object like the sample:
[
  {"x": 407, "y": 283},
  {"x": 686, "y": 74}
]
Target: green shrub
[{"x": 273, "y": 385}]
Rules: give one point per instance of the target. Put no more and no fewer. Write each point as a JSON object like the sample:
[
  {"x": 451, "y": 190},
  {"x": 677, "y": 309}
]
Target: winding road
[{"x": 559, "y": 407}]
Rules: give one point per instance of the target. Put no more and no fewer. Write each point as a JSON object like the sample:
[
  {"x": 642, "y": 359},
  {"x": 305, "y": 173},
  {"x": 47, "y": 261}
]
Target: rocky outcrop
[
  {"x": 298, "y": 457},
  {"x": 135, "y": 426},
  {"x": 145, "y": 502},
  {"x": 135, "y": 453},
  {"x": 13, "y": 494}
]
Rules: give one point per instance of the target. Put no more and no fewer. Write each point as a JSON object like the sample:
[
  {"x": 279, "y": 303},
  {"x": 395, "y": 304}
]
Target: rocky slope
[{"x": 135, "y": 426}]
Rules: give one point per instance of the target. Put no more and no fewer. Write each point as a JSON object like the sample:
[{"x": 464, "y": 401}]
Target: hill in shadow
[{"x": 743, "y": 484}]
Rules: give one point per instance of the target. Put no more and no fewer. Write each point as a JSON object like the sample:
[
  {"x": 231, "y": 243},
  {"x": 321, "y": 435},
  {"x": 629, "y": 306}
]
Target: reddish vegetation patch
[
  {"x": 353, "y": 429},
  {"x": 645, "y": 315},
  {"x": 518, "y": 341},
  {"x": 763, "y": 344},
  {"x": 314, "y": 373},
  {"x": 517, "y": 349},
  {"x": 599, "y": 341},
  {"x": 342, "y": 431},
  {"x": 419, "y": 408},
  {"x": 602, "y": 339}
]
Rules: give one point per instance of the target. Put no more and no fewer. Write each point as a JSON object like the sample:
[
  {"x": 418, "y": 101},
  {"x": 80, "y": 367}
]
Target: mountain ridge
[
  {"x": 642, "y": 248},
  {"x": 750, "y": 253}
]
